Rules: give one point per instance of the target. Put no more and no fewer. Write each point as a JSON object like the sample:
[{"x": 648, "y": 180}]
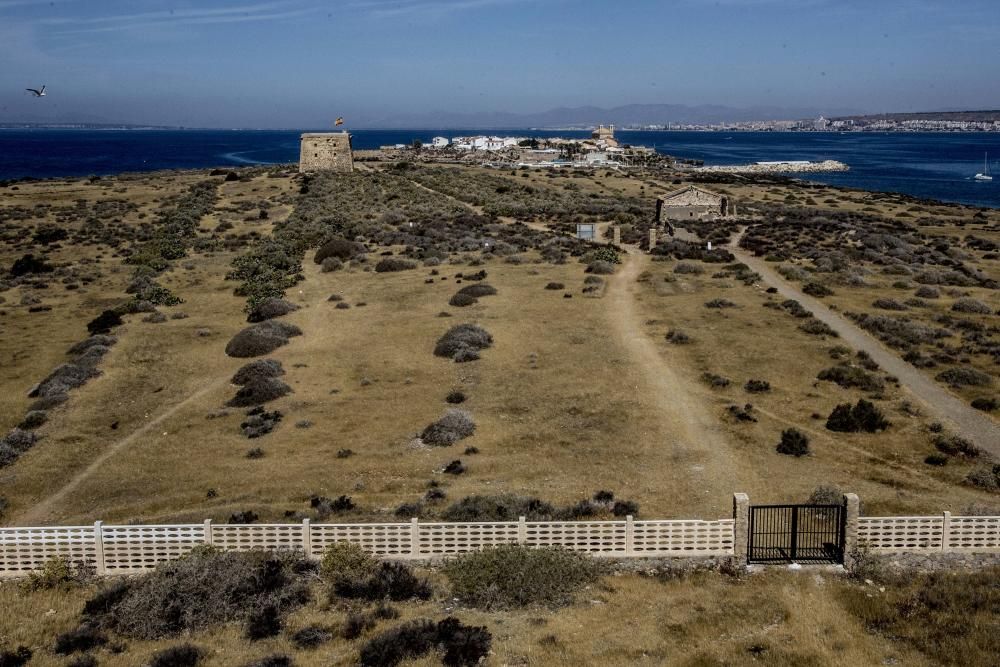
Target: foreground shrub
[
  {"x": 311, "y": 636},
  {"x": 17, "y": 657},
  {"x": 346, "y": 560},
  {"x": 862, "y": 417},
  {"x": 389, "y": 580},
  {"x": 967, "y": 305},
  {"x": 460, "y": 300},
  {"x": 948, "y": 616},
  {"x": 261, "y": 369},
  {"x": 511, "y": 576},
  {"x": 462, "y": 645},
  {"x": 258, "y": 392},
  {"x": 986, "y": 477},
  {"x": 455, "y": 425},
  {"x": 793, "y": 443},
  {"x": 103, "y": 323},
  {"x": 201, "y": 590},
  {"x": 57, "y": 574},
  {"x": 83, "y": 638},
  {"x": 826, "y": 494},
  {"x": 478, "y": 290},
  {"x": 985, "y": 404},
  {"x": 957, "y": 446},
  {"x": 601, "y": 268},
  {"x": 261, "y": 339}
]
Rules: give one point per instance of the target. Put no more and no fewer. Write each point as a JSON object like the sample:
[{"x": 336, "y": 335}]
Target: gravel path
[{"x": 964, "y": 420}]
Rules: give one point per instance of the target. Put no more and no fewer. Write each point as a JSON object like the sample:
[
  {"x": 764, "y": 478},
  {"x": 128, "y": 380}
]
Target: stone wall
[{"x": 326, "y": 151}]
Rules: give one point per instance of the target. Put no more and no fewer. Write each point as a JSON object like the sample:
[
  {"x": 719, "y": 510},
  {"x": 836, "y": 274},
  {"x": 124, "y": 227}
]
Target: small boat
[{"x": 985, "y": 174}]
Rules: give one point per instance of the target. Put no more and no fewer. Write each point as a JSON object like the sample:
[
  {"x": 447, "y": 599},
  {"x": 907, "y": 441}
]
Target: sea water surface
[{"x": 929, "y": 165}]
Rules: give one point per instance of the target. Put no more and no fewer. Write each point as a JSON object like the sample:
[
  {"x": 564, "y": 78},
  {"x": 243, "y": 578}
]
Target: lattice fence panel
[
  {"x": 445, "y": 539},
  {"x": 273, "y": 536},
  {"x": 683, "y": 538},
  {"x": 901, "y": 533},
  {"x": 137, "y": 548},
  {"x": 389, "y": 540},
  {"x": 974, "y": 532},
  {"x": 25, "y": 549},
  {"x": 600, "y": 538}
]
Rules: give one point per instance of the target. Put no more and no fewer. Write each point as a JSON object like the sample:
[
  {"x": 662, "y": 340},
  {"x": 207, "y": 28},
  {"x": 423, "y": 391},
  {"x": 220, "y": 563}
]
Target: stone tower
[{"x": 326, "y": 151}]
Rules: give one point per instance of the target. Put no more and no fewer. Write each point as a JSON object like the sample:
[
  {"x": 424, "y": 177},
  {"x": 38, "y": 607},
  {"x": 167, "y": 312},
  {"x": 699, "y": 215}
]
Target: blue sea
[{"x": 934, "y": 166}]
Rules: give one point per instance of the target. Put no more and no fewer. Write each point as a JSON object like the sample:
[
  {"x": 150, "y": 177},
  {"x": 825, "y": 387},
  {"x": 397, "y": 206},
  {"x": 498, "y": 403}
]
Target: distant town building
[
  {"x": 439, "y": 142},
  {"x": 605, "y": 134},
  {"x": 325, "y": 151},
  {"x": 693, "y": 203}
]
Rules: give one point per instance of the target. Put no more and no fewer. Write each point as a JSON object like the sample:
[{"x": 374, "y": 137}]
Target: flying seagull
[{"x": 37, "y": 93}]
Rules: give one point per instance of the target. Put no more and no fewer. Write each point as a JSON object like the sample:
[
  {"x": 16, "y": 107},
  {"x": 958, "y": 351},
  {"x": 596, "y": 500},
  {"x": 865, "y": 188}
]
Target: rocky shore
[{"x": 791, "y": 167}]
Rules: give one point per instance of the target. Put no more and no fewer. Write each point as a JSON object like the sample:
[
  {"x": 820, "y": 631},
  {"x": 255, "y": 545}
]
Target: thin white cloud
[
  {"x": 388, "y": 8},
  {"x": 263, "y": 11}
]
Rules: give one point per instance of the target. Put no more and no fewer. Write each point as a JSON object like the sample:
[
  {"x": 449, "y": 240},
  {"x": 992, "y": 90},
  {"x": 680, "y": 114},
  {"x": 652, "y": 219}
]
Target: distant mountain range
[{"x": 630, "y": 114}]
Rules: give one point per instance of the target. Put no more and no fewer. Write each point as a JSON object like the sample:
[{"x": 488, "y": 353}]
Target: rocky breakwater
[{"x": 778, "y": 167}]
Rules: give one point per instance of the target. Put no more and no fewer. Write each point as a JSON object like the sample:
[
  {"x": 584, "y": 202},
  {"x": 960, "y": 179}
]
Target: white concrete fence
[{"x": 137, "y": 548}]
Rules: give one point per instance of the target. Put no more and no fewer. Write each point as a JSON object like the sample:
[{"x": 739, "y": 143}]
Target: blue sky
[{"x": 297, "y": 63}]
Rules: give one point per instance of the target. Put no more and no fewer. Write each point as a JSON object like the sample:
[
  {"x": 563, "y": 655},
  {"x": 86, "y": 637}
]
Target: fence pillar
[
  {"x": 208, "y": 532},
  {"x": 414, "y": 538},
  {"x": 945, "y": 530},
  {"x": 99, "y": 565},
  {"x": 616, "y": 235},
  {"x": 741, "y": 526},
  {"x": 307, "y": 537},
  {"x": 852, "y": 510},
  {"x": 629, "y": 535},
  {"x": 522, "y": 530},
  {"x": 652, "y": 238}
]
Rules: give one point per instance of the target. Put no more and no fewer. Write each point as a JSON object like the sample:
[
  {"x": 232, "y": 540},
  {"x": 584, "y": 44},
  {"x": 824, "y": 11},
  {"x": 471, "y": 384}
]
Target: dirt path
[
  {"x": 708, "y": 467},
  {"x": 964, "y": 420},
  {"x": 39, "y": 512}
]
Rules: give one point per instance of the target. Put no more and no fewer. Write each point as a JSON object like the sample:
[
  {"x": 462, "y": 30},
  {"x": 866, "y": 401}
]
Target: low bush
[
  {"x": 17, "y": 657},
  {"x": 957, "y": 446},
  {"x": 927, "y": 292},
  {"x": 262, "y": 338},
  {"x": 678, "y": 337},
  {"x": 182, "y": 655},
  {"x": 258, "y": 392},
  {"x": 276, "y": 660},
  {"x": 818, "y": 328},
  {"x": 555, "y": 286},
  {"x": 719, "y": 304},
  {"x": 968, "y": 305},
  {"x": 601, "y": 268},
  {"x": 105, "y": 322},
  {"x": 863, "y": 417},
  {"x": 460, "y": 300},
  {"x": 826, "y": 494},
  {"x": 512, "y": 576},
  {"x": 848, "y": 376},
  {"x": 56, "y": 574},
  {"x": 311, "y": 636},
  {"x": 461, "y": 645},
  {"x": 325, "y": 506},
  {"x": 503, "y": 507},
  {"x": 257, "y": 424},
  {"x": 757, "y": 386},
  {"x": 204, "y": 589},
  {"x": 346, "y": 560},
  {"x": 478, "y": 290},
  {"x": 462, "y": 338},
  {"x": 965, "y": 377},
  {"x": 686, "y": 268},
  {"x": 936, "y": 460},
  {"x": 85, "y": 637},
  {"x": 338, "y": 248},
  {"x": 455, "y": 425},
  {"x": 985, "y": 477},
  {"x": 985, "y": 404},
  {"x": 271, "y": 308},
  {"x": 793, "y": 443},
  {"x": 260, "y": 369},
  {"x": 389, "y": 580},
  {"x": 818, "y": 290},
  {"x": 888, "y": 304},
  {"x": 455, "y": 397},
  {"x": 392, "y": 264}
]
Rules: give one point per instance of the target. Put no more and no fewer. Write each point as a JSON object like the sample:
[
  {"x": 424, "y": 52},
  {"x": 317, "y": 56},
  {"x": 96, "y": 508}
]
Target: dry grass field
[{"x": 592, "y": 382}]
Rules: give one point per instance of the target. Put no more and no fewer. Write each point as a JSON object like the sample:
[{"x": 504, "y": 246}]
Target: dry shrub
[
  {"x": 182, "y": 655},
  {"x": 503, "y": 507},
  {"x": 103, "y": 323},
  {"x": 793, "y": 443},
  {"x": 259, "y": 369},
  {"x": 392, "y": 264},
  {"x": 64, "y": 378},
  {"x": 389, "y": 581},
  {"x": 260, "y": 339},
  {"x": 968, "y": 305},
  {"x": 346, "y": 560},
  {"x": 311, "y": 636},
  {"x": 965, "y": 377},
  {"x": 888, "y": 304},
  {"x": 818, "y": 328},
  {"x": 101, "y": 340},
  {"x": 462, "y": 337},
  {"x": 204, "y": 589},
  {"x": 601, "y": 268},
  {"x": 16, "y": 657},
  {"x": 270, "y": 308},
  {"x": 455, "y": 425},
  {"x": 555, "y": 286},
  {"x": 513, "y": 576},
  {"x": 686, "y": 268},
  {"x": 338, "y": 248},
  {"x": 478, "y": 290},
  {"x": 258, "y": 392},
  {"x": 863, "y": 417},
  {"x": 460, "y": 300},
  {"x": 461, "y": 645},
  {"x": 848, "y": 376},
  {"x": 275, "y": 660}
]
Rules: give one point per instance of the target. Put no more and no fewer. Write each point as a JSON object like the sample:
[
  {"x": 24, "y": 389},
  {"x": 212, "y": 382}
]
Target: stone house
[
  {"x": 693, "y": 203},
  {"x": 325, "y": 151}
]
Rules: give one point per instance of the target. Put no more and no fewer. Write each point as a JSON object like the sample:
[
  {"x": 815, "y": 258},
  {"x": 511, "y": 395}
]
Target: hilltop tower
[{"x": 325, "y": 151}]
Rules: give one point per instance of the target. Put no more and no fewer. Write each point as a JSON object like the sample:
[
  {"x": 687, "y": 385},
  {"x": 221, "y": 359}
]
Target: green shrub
[
  {"x": 793, "y": 443},
  {"x": 388, "y": 581},
  {"x": 503, "y": 507},
  {"x": 461, "y": 645},
  {"x": 511, "y": 576},
  {"x": 862, "y": 417},
  {"x": 965, "y": 377},
  {"x": 346, "y": 560},
  {"x": 848, "y": 376},
  {"x": 57, "y": 574},
  {"x": 817, "y": 290}
]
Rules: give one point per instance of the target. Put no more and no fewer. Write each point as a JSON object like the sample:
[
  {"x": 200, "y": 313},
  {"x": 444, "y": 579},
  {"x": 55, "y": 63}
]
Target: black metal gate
[{"x": 796, "y": 533}]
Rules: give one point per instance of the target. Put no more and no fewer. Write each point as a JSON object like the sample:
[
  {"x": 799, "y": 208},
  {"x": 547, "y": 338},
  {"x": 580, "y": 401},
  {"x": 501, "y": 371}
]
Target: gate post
[
  {"x": 100, "y": 565},
  {"x": 652, "y": 238},
  {"x": 741, "y": 527},
  {"x": 617, "y": 235},
  {"x": 852, "y": 509}
]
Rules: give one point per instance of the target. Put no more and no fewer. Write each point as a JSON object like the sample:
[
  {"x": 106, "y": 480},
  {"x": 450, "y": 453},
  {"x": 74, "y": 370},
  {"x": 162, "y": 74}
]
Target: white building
[{"x": 439, "y": 142}]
